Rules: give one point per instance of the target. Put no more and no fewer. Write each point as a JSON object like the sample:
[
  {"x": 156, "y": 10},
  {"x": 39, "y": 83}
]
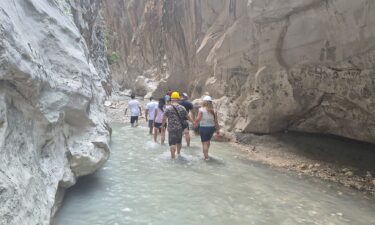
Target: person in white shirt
[
  {"x": 150, "y": 113},
  {"x": 135, "y": 110},
  {"x": 208, "y": 124}
]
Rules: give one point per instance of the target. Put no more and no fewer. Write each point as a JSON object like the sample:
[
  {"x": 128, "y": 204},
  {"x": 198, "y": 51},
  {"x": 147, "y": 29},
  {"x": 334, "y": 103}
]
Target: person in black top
[{"x": 188, "y": 106}]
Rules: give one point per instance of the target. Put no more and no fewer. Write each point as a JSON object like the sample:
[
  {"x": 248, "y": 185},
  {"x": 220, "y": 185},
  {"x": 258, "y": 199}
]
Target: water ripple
[{"x": 140, "y": 184}]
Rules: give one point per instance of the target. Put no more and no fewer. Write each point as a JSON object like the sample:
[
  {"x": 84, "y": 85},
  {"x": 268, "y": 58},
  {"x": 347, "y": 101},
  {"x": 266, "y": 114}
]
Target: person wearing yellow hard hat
[{"x": 176, "y": 115}]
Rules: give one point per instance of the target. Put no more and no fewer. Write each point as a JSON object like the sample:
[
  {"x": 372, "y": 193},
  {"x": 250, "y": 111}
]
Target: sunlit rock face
[
  {"x": 52, "y": 125},
  {"x": 275, "y": 65}
]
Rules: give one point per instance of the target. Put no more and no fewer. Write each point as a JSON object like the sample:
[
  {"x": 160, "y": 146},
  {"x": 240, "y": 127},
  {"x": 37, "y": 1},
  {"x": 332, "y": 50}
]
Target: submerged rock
[{"x": 52, "y": 124}]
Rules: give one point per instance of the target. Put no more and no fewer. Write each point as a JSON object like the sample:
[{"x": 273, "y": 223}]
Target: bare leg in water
[
  {"x": 156, "y": 131},
  {"x": 179, "y": 148},
  {"x": 173, "y": 151},
  {"x": 162, "y": 135},
  {"x": 187, "y": 137},
  {"x": 205, "y": 146}
]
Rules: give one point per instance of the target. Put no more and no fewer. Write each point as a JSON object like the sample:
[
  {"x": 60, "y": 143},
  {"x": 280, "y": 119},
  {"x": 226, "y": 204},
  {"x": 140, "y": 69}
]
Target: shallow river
[{"x": 141, "y": 185}]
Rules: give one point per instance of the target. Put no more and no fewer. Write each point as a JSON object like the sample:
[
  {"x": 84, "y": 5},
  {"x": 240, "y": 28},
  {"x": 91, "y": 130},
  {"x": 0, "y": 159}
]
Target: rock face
[
  {"x": 134, "y": 35},
  {"x": 52, "y": 124},
  {"x": 274, "y": 65}
]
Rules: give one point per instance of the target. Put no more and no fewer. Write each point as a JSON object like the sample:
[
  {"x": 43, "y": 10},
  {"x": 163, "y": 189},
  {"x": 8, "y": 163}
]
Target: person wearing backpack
[
  {"x": 175, "y": 114},
  {"x": 208, "y": 124}
]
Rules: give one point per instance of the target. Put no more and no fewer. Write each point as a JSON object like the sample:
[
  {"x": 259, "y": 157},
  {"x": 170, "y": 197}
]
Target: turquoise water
[{"x": 141, "y": 185}]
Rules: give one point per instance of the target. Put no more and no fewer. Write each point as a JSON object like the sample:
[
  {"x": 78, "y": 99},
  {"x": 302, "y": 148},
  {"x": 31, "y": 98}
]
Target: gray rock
[
  {"x": 349, "y": 173},
  {"x": 368, "y": 175},
  {"x": 52, "y": 123},
  {"x": 345, "y": 170},
  {"x": 303, "y": 166}
]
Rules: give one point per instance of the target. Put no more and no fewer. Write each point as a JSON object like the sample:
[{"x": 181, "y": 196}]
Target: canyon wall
[
  {"x": 53, "y": 81},
  {"x": 272, "y": 65},
  {"x": 134, "y": 38}
]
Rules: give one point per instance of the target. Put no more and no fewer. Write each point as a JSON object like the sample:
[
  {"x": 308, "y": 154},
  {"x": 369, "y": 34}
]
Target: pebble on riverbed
[
  {"x": 303, "y": 166},
  {"x": 349, "y": 173}
]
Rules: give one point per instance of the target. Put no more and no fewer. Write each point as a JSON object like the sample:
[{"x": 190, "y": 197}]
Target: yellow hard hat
[{"x": 175, "y": 95}]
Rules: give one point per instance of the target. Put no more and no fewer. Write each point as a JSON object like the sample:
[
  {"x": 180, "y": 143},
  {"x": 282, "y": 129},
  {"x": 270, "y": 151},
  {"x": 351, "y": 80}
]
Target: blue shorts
[{"x": 206, "y": 133}]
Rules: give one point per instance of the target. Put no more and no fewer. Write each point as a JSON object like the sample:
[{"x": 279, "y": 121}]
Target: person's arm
[
  {"x": 191, "y": 114},
  {"x": 140, "y": 110},
  {"x": 164, "y": 119},
  {"x": 191, "y": 108},
  {"x": 189, "y": 118},
  {"x": 146, "y": 114},
  {"x": 155, "y": 115},
  {"x": 198, "y": 119},
  {"x": 125, "y": 111}
]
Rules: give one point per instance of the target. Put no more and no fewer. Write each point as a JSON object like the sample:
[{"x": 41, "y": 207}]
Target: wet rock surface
[{"x": 53, "y": 127}]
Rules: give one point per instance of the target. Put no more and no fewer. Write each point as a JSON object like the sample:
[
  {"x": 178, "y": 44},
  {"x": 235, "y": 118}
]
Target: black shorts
[
  {"x": 187, "y": 128},
  {"x": 150, "y": 123},
  {"x": 133, "y": 119},
  {"x": 206, "y": 133},
  {"x": 158, "y": 125},
  {"x": 175, "y": 137}
]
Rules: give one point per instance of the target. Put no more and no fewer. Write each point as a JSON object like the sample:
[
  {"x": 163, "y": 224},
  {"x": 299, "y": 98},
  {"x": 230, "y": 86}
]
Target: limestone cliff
[
  {"x": 273, "y": 65},
  {"x": 52, "y": 124},
  {"x": 134, "y": 38}
]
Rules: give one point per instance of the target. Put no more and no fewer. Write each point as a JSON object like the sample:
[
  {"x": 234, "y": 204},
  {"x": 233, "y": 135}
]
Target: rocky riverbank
[{"x": 339, "y": 160}]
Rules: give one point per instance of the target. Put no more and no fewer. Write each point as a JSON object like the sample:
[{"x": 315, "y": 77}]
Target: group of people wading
[{"x": 173, "y": 114}]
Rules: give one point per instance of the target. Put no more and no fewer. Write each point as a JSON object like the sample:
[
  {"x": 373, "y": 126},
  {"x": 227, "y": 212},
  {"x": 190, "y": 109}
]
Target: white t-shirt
[
  {"x": 208, "y": 120},
  {"x": 151, "y": 106},
  {"x": 133, "y": 106},
  {"x": 159, "y": 115}
]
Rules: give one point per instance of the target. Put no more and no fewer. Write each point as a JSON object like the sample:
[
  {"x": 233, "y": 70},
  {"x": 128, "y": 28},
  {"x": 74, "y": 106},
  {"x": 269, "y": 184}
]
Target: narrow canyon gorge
[{"x": 271, "y": 66}]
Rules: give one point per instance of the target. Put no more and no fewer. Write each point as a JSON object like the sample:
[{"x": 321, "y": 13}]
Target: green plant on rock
[{"x": 113, "y": 58}]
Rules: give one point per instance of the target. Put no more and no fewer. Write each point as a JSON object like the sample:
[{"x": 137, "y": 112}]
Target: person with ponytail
[{"x": 208, "y": 124}]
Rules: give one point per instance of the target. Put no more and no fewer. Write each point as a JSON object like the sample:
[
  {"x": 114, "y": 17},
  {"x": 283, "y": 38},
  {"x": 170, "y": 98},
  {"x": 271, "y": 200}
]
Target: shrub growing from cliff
[{"x": 113, "y": 58}]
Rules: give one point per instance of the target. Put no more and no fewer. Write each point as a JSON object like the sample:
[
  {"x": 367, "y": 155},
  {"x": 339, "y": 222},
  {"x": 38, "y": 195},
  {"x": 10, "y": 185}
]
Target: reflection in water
[{"x": 141, "y": 185}]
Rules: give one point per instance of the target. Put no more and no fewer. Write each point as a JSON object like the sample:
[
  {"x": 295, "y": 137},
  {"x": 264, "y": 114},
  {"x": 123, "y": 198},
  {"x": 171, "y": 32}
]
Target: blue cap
[{"x": 167, "y": 98}]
